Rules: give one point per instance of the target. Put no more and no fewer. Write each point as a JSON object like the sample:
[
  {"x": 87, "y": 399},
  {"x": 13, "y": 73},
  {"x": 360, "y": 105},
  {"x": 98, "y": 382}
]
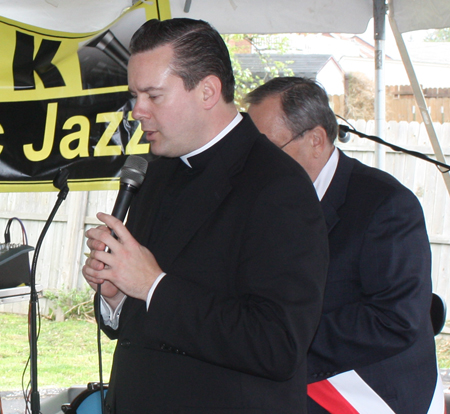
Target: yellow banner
[{"x": 64, "y": 103}]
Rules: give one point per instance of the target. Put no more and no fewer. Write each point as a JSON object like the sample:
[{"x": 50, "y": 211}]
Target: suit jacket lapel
[
  {"x": 196, "y": 205},
  {"x": 335, "y": 196},
  {"x": 145, "y": 208}
]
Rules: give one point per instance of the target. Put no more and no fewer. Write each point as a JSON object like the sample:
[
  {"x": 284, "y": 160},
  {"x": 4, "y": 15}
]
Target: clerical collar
[
  {"x": 231, "y": 125},
  {"x": 326, "y": 175}
]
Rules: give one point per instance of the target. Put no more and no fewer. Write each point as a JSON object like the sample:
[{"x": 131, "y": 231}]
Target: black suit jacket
[
  {"x": 376, "y": 316},
  {"x": 245, "y": 250}
]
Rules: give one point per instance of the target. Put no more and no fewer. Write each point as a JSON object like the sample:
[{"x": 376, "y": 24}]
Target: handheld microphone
[{"x": 132, "y": 175}]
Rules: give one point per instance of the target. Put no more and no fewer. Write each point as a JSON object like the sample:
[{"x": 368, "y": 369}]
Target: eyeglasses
[{"x": 297, "y": 136}]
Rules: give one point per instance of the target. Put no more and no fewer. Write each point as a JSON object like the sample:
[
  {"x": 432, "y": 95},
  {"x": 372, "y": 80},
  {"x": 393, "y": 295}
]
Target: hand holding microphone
[
  {"x": 129, "y": 266},
  {"x": 132, "y": 176}
]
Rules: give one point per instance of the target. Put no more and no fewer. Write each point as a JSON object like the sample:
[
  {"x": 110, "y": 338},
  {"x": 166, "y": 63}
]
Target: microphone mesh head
[{"x": 133, "y": 171}]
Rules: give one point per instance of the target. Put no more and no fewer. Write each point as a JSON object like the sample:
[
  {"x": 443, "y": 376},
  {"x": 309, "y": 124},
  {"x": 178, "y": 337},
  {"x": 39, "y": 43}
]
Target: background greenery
[{"x": 67, "y": 353}]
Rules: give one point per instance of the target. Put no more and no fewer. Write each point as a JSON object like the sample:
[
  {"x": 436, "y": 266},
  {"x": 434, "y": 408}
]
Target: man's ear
[
  {"x": 211, "y": 90},
  {"x": 319, "y": 140}
]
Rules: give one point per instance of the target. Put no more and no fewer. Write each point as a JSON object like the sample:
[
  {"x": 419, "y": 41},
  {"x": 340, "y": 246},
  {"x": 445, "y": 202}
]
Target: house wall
[
  {"x": 429, "y": 75},
  {"x": 332, "y": 78}
]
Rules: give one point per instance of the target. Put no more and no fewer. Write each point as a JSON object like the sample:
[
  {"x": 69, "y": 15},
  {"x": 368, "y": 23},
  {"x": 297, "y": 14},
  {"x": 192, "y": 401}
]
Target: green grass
[
  {"x": 443, "y": 350},
  {"x": 67, "y": 353}
]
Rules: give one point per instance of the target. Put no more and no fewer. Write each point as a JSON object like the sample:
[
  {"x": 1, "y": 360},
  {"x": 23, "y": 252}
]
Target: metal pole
[
  {"x": 379, "y": 14},
  {"x": 418, "y": 94}
]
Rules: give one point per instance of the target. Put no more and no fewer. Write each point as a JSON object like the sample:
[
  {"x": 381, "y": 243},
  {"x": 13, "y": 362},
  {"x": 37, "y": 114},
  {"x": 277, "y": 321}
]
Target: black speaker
[{"x": 14, "y": 265}]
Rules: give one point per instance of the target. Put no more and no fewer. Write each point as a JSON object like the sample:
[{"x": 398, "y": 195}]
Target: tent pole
[
  {"x": 379, "y": 13},
  {"x": 418, "y": 94}
]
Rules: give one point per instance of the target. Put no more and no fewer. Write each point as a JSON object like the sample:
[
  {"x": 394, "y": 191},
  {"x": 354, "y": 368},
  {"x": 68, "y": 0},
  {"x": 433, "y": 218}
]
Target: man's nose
[{"x": 139, "y": 111}]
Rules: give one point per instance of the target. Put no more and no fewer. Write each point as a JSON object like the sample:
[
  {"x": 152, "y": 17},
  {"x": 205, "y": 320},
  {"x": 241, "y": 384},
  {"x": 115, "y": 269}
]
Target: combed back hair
[
  {"x": 199, "y": 51},
  {"x": 304, "y": 103}
]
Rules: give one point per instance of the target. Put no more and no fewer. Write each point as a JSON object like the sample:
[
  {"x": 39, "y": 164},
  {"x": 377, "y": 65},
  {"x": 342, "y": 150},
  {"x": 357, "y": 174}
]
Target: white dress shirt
[{"x": 325, "y": 176}]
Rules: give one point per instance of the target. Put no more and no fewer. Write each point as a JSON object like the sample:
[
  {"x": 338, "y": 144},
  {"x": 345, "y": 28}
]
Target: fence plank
[{"x": 404, "y": 108}]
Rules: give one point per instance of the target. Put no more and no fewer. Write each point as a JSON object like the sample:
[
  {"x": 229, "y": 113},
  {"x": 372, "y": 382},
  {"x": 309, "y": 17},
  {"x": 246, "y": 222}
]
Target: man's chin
[{"x": 158, "y": 151}]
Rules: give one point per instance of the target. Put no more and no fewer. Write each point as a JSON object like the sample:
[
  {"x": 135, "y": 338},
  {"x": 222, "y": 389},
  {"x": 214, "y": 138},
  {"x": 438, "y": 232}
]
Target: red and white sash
[{"x": 348, "y": 393}]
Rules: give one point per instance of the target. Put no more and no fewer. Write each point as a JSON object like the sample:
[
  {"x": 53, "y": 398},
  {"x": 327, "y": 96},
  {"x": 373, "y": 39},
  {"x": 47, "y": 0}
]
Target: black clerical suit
[{"x": 243, "y": 241}]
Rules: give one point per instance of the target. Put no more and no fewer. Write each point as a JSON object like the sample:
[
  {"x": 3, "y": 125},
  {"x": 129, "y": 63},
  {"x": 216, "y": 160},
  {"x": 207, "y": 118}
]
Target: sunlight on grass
[
  {"x": 67, "y": 353},
  {"x": 443, "y": 350}
]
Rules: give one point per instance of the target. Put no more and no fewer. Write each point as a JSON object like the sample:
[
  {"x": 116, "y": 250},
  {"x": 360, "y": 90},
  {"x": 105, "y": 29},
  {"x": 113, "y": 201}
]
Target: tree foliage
[
  {"x": 246, "y": 81},
  {"x": 441, "y": 35}
]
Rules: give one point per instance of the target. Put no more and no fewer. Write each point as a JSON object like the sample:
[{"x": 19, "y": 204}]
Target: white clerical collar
[
  {"x": 326, "y": 175},
  {"x": 209, "y": 144}
]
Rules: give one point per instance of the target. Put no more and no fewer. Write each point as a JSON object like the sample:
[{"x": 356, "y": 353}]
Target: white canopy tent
[
  {"x": 235, "y": 16},
  {"x": 266, "y": 16}
]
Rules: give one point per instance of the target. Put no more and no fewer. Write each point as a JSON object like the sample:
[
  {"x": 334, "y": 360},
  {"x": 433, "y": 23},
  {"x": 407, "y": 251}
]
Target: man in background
[
  {"x": 374, "y": 349},
  {"x": 213, "y": 289}
]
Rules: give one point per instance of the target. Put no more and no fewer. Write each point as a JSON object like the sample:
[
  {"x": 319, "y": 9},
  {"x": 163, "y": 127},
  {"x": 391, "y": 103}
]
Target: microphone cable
[
  {"x": 99, "y": 347},
  {"x": 132, "y": 175},
  {"x": 343, "y": 129}
]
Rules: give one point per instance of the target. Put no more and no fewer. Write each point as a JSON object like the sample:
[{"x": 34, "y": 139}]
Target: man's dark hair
[
  {"x": 199, "y": 51},
  {"x": 304, "y": 103}
]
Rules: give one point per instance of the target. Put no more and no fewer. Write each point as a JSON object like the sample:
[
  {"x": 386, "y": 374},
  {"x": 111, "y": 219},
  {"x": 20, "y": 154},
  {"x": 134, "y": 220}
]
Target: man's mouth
[{"x": 149, "y": 134}]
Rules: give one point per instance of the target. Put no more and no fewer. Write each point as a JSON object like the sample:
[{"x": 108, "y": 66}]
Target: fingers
[
  {"x": 94, "y": 263},
  {"x": 117, "y": 226},
  {"x": 99, "y": 238},
  {"x": 91, "y": 271},
  {"x": 93, "y": 235},
  {"x": 125, "y": 267}
]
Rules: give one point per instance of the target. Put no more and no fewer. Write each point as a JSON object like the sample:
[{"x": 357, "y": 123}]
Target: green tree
[
  {"x": 246, "y": 81},
  {"x": 441, "y": 35}
]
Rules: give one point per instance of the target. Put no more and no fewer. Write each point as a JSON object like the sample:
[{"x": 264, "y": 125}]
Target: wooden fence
[
  {"x": 62, "y": 253},
  {"x": 406, "y": 109},
  {"x": 402, "y": 106}
]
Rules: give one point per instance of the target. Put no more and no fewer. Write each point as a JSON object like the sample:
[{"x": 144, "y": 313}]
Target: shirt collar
[
  {"x": 326, "y": 174},
  {"x": 231, "y": 125}
]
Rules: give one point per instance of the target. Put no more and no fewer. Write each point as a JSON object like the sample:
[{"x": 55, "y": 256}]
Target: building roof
[
  {"x": 306, "y": 65},
  {"x": 430, "y": 52}
]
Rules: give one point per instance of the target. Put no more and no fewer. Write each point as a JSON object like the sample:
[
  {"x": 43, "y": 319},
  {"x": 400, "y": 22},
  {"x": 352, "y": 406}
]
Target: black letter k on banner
[{"x": 24, "y": 65}]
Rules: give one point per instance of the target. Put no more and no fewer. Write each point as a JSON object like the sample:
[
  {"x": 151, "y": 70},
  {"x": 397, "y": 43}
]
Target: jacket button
[{"x": 125, "y": 343}]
